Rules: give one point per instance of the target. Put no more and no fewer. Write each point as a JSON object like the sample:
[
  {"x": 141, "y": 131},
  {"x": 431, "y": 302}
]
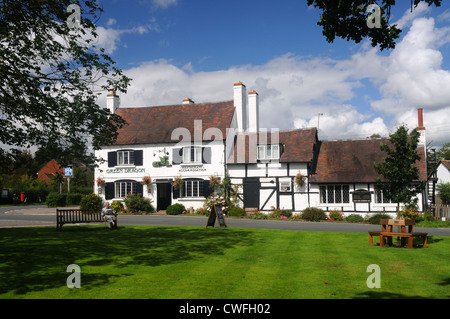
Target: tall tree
[
  {"x": 399, "y": 170},
  {"x": 50, "y": 75},
  {"x": 347, "y": 19}
]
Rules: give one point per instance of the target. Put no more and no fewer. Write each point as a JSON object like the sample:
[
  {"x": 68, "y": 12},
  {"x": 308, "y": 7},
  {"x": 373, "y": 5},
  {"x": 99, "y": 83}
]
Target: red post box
[{"x": 22, "y": 197}]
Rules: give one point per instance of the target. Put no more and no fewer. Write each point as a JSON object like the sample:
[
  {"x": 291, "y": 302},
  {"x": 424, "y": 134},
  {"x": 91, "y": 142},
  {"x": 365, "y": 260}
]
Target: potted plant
[
  {"x": 177, "y": 183},
  {"x": 299, "y": 179},
  {"x": 100, "y": 182},
  {"x": 147, "y": 181},
  {"x": 214, "y": 181}
]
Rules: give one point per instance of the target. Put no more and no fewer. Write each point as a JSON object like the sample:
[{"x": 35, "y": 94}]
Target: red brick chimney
[{"x": 420, "y": 114}]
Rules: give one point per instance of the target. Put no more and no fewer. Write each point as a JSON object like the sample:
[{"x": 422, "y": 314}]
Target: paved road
[{"x": 43, "y": 216}]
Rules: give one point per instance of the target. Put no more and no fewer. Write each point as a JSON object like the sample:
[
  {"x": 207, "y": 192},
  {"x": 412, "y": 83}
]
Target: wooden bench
[
  {"x": 371, "y": 234},
  {"x": 405, "y": 234},
  {"x": 78, "y": 216},
  {"x": 408, "y": 236}
]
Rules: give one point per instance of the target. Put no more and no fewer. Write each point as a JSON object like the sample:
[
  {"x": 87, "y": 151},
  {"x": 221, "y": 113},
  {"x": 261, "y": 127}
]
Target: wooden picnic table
[{"x": 405, "y": 233}]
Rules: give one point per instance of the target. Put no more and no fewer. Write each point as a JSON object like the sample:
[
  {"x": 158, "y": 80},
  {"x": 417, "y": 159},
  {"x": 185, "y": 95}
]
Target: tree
[
  {"x": 50, "y": 74},
  {"x": 444, "y": 152},
  {"x": 444, "y": 192},
  {"x": 400, "y": 181},
  {"x": 347, "y": 19}
]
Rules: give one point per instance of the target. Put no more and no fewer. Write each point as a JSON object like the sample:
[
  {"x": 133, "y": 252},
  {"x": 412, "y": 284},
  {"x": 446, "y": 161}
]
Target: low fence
[{"x": 440, "y": 212}]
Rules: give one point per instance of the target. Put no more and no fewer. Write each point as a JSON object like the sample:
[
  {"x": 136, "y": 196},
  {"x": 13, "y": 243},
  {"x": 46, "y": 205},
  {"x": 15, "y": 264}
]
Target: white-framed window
[
  {"x": 192, "y": 154},
  {"x": 268, "y": 152},
  {"x": 285, "y": 186},
  {"x": 122, "y": 189},
  {"x": 193, "y": 189},
  {"x": 125, "y": 158},
  {"x": 334, "y": 194},
  {"x": 380, "y": 198}
]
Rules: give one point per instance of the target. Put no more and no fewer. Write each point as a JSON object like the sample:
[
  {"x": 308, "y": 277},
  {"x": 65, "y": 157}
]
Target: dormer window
[{"x": 268, "y": 152}]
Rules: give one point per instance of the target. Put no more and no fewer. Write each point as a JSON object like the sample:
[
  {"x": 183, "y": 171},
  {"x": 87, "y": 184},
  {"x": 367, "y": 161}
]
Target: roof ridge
[{"x": 167, "y": 105}]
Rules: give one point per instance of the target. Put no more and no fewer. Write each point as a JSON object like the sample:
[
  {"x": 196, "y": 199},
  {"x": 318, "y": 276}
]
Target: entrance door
[
  {"x": 251, "y": 192},
  {"x": 164, "y": 196}
]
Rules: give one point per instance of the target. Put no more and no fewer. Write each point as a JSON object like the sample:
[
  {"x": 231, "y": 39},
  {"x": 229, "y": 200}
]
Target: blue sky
[{"x": 197, "y": 48}]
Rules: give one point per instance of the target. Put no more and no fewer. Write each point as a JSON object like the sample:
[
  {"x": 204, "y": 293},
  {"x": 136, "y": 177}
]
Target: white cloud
[
  {"x": 109, "y": 38},
  {"x": 164, "y": 3},
  {"x": 294, "y": 89}
]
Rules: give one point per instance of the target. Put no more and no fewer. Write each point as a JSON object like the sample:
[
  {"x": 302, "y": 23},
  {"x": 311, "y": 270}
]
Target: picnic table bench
[
  {"x": 386, "y": 234},
  {"x": 77, "y": 216}
]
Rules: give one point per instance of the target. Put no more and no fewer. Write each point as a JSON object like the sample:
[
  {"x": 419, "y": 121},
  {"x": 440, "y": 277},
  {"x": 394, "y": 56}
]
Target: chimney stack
[
  {"x": 253, "y": 112},
  {"x": 421, "y": 129},
  {"x": 112, "y": 101},
  {"x": 240, "y": 103},
  {"x": 420, "y": 114},
  {"x": 188, "y": 101}
]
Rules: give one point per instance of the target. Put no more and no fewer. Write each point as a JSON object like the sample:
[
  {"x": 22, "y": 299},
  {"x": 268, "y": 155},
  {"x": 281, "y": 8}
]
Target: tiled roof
[
  {"x": 352, "y": 161},
  {"x": 446, "y": 163},
  {"x": 154, "y": 125},
  {"x": 297, "y": 145}
]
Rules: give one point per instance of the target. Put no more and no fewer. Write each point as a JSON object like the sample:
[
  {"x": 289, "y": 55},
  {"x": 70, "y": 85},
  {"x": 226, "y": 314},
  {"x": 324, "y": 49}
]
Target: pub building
[{"x": 289, "y": 169}]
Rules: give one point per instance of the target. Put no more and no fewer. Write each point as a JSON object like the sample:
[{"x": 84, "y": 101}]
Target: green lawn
[{"x": 198, "y": 262}]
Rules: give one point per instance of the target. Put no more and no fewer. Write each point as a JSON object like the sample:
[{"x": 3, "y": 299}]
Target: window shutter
[
  {"x": 176, "y": 193},
  {"x": 109, "y": 190},
  {"x": 177, "y": 156},
  {"x": 138, "y": 158},
  {"x": 112, "y": 159},
  {"x": 206, "y": 189},
  {"x": 139, "y": 188},
  {"x": 206, "y": 158}
]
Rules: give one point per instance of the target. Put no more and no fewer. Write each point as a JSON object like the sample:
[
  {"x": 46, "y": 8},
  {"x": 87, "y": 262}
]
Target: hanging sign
[{"x": 68, "y": 172}]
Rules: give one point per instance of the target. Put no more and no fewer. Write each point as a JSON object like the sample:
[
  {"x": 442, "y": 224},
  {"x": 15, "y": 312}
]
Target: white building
[
  {"x": 443, "y": 172},
  {"x": 165, "y": 142},
  {"x": 196, "y": 141}
]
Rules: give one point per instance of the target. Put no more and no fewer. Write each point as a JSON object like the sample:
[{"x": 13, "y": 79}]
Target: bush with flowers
[
  {"x": 278, "y": 213},
  {"x": 335, "y": 215},
  {"x": 215, "y": 199},
  {"x": 410, "y": 213},
  {"x": 200, "y": 211},
  {"x": 117, "y": 207},
  {"x": 91, "y": 203},
  {"x": 258, "y": 215}
]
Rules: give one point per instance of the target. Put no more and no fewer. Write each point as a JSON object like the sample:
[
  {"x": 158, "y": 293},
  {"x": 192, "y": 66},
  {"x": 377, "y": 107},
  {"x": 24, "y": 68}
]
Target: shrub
[
  {"x": 73, "y": 198},
  {"x": 137, "y": 204},
  {"x": 236, "y": 211},
  {"x": 201, "y": 211},
  {"x": 55, "y": 199},
  {"x": 175, "y": 209},
  {"x": 375, "y": 219},
  {"x": 258, "y": 215},
  {"x": 117, "y": 207},
  {"x": 354, "y": 218},
  {"x": 313, "y": 214},
  {"x": 336, "y": 215},
  {"x": 280, "y": 213},
  {"x": 444, "y": 192},
  {"x": 215, "y": 199},
  {"x": 410, "y": 213},
  {"x": 91, "y": 202}
]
